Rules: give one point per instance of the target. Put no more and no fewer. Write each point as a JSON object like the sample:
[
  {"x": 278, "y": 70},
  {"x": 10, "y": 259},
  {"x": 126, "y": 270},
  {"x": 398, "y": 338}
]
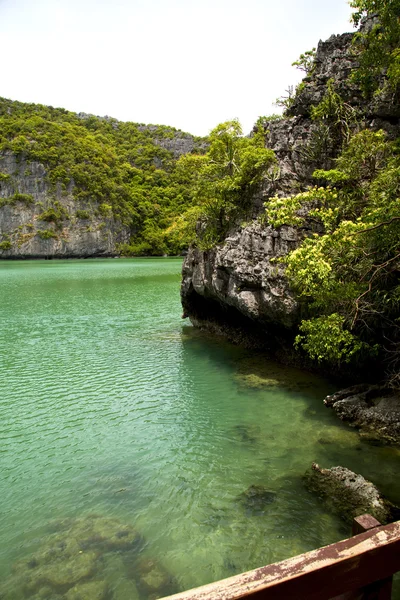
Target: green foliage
[
  {"x": 348, "y": 277},
  {"x": 55, "y": 214},
  {"x": 4, "y": 176},
  {"x": 333, "y": 110},
  {"x": 377, "y": 48},
  {"x": 306, "y": 61},
  {"x": 105, "y": 210},
  {"x": 325, "y": 339},
  {"x": 82, "y": 214},
  {"x": 287, "y": 100},
  {"x": 334, "y": 123},
  {"x": 223, "y": 181},
  {"x": 5, "y": 245},
  {"x": 47, "y": 234},
  {"x": 17, "y": 197},
  {"x": 120, "y": 169},
  {"x": 26, "y": 198}
]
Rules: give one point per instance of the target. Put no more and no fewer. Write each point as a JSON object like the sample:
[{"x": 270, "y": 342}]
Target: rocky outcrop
[
  {"x": 238, "y": 289},
  {"x": 371, "y": 408},
  {"x": 76, "y": 229},
  {"x": 238, "y": 283},
  {"x": 349, "y": 494},
  {"x": 182, "y": 143}
]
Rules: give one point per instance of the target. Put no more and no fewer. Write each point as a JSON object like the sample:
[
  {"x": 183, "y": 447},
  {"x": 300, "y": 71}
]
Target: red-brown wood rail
[{"x": 359, "y": 567}]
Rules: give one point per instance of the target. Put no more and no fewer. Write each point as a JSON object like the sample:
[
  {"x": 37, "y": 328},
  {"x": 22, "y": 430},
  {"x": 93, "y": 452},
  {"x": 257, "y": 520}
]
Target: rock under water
[{"x": 89, "y": 558}]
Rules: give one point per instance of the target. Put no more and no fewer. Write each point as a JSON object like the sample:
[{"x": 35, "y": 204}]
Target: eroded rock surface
[
  {"x": 240, "y": 274},
  {"x": 349, "y": 494},
  {"x": 83, "y": 231},
  {"x": 375, "y": 410}
]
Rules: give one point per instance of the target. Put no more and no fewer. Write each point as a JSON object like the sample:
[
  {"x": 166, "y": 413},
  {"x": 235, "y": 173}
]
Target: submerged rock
[
  {"x": 260, "y": 373},
  {"x": 256, "y": 498},
  {"x": 89, "y": 558},
  {"x": 248, "y": 434},
  {"x": 93, "y": 590},
  {"x": 375, "y": 410},
  {"x": 348, "y": 494}
]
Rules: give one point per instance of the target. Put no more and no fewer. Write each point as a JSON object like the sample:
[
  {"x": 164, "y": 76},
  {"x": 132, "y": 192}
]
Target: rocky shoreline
[{"x": 373, "y": 409}]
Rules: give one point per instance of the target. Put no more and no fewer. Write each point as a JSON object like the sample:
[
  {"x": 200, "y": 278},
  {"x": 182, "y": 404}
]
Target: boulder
[
  {"x": 348, "y": 494},
  {"x": 372, "y": 408}
]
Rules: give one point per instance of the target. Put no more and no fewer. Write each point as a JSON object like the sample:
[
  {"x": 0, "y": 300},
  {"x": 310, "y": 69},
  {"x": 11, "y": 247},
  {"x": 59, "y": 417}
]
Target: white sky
[{"x": 187, "y": 63}]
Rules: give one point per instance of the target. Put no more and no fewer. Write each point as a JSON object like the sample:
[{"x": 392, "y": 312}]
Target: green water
[{"x": 111, "y": 405}]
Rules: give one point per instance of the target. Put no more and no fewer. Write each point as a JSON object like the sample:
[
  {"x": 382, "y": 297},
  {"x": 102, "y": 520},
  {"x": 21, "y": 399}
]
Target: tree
[
  {"x": 306, "y": 61},
  {"x": 348, "y": 277},
  {"x": 224, "y": 180},
  {"x": 377, "y": 47}
]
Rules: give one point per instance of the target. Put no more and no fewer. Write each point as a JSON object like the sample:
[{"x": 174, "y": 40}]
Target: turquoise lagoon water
[{"x": 117, "y": 416}]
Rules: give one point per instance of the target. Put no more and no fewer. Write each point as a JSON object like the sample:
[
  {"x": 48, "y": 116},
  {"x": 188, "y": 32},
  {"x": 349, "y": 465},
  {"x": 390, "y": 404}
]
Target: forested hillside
[{"x": 71, "y": 173}]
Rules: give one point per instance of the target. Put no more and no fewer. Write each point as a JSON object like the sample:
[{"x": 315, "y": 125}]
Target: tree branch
[{"x": 378, "y": 225}]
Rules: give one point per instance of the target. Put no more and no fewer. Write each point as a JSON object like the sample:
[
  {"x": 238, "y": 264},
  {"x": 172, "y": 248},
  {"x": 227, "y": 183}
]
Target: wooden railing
[{"x": 358, "y": 568}]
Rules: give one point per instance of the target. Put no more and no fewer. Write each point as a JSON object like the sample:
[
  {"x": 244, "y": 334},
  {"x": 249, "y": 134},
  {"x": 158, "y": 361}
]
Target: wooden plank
[
  {"x": 379, "y": 590},
  {"x": 317, "y": 575},
  {"x": 364, "y": 523}
]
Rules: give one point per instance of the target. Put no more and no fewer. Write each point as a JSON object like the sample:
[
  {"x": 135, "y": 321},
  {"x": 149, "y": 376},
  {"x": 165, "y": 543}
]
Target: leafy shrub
[
  {"x": 46, "y": 234},
  {"x": 82, "y": 214},
  {"x": 17, "y": 197},
  {"x": 105, "y": 210},
  {"x": 54, "y": 214},
  {"x": 6, "y": 245}
]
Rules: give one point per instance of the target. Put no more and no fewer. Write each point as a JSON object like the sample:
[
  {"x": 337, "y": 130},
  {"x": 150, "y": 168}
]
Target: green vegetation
[
  {"x": 347, "y": 277},
  {"x": 5, "y": 245},
  {"x": 26, "y": 198},
  {"x": 46, "y": 234},
  {"x": 120, "y": 169},
  {"x": 222, "y": 183},
  {"x": 55, "y": 214},
  {"x": 82, "y": 214},
  {"x": 306, "y": 61},
  {"x": 377, "y": 48}
]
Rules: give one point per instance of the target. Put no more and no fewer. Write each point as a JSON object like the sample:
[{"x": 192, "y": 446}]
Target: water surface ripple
[{"x": 111, "y": 406}]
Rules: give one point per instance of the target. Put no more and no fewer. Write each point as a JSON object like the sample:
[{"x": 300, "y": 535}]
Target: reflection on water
[{"x": 167, "y": 457}]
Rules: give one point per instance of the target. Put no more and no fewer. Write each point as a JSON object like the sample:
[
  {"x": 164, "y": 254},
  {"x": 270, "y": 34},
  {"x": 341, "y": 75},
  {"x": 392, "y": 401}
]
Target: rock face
[
  {"x": 81, "y": 231},
  {"x": 349, "y": 494},
  {"x": 83, "y": 228},
  {"x": 237, "y": 281},
  {"x": 237, "y": 288},
  {"x": 375, "y": 410}
]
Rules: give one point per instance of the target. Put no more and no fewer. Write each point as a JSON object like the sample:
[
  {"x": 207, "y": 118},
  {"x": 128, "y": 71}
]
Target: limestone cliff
[
  {"x": 77, "y": 185},
  {"x": 80, "y": 230},
  {"x": 238, "y": 288}
]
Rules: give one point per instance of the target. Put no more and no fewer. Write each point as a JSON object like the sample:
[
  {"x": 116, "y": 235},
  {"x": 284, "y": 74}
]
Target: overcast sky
[{"x": 187, "y": 63}]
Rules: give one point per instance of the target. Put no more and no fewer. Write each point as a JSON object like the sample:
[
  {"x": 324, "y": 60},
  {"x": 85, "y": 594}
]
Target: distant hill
[{"x": 81, "y": 185}]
